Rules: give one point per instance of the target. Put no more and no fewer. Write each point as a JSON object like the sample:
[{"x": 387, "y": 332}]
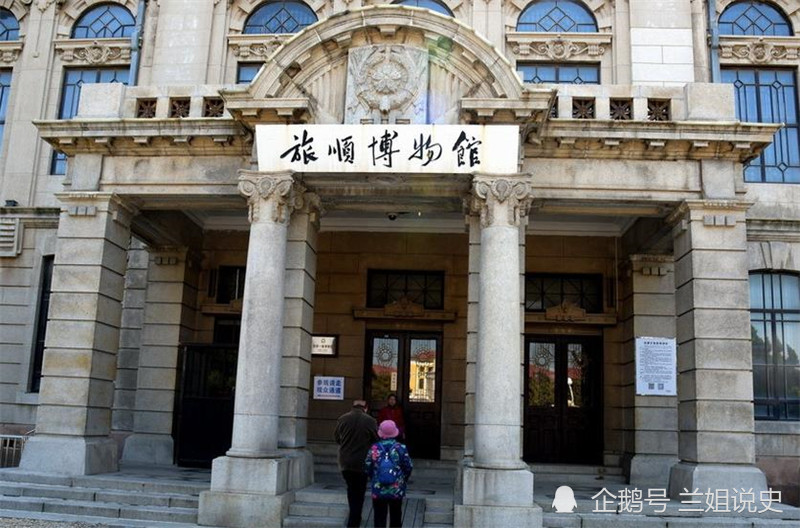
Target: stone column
[
  {"x": 169, "y": 314},
  {"x": 715, "y": 375},
  {"x": 80, "y": 361},
  {"x": 251, "y": 485},
  {"x": 497, "y": 487},
  {"x": 651, "y": 421}
]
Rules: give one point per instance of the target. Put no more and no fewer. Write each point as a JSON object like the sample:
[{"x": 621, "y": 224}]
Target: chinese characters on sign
[
  {"x": 632, "y": 500},
  {"x": 328, "y": 388},
  {"x": 323, "y": 345},
  {"x": 389, "y": 148},
  {"x": 656, "y": 366}
]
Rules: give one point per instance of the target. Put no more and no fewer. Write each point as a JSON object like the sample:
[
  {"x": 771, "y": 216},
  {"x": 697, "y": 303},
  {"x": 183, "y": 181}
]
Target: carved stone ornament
[
  {"x": 559, "y": 49},
  {"x": 95, "y": 54},
  {"x": 271, "y": 197},
  {"x": 259, "y": 49},
  {"x": 759, "y": 52},
  {"x": 566, "y": 311},
  {"x": 501, "y": 201},
  {"x": 404, "y": 307},
  {"x": 9, "y": 53},
  {"x": 387, "y": 81}
]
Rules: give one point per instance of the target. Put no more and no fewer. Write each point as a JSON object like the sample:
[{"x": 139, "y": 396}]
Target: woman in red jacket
[{"x": 393, "y": 411}]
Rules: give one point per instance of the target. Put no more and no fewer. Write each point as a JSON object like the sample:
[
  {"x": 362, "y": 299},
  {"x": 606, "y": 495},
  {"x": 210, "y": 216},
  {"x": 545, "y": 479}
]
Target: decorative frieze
[
  {"x": 502, "y": 200},
  {"x": 255, "y": 47},
  {"x": 10, "y": 51},
  {"x": 760, "y": 50},
  {"x": 94, "y": 52},
  {"x": 584, "y": 46}
]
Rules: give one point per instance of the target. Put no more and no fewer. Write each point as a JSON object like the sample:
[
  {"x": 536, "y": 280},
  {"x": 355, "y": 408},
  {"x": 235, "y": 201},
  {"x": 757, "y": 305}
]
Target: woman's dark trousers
[{"x": 394, "y": 507}]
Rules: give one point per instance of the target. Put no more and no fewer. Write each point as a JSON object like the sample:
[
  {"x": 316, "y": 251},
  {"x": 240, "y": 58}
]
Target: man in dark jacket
[{"x": 355, "y": 433}]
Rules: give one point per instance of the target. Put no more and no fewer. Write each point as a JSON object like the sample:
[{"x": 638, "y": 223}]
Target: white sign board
[
  {"x": 323, "y": 345},
  {"x": 490, "y": 149},
  {"x": 656, "y": 366},
  {"x": 328, "y": 388}
]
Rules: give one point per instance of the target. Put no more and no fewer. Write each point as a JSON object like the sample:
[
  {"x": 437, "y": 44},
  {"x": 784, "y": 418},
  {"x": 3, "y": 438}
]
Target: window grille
[
  {"x": 583, "y": 108},
  {"x": 658, "y": 110},
  {"x": 179, "y": 106},
  {"x": 557, "y": 16},
  {"x": 543, "y": 291},
  {"x": 419, "y": 287},
  {"x": 621, "y": 109},
  {"x": 560, "y": 73},
  {"x": 288, "y": 16},
  {"x": 752, "y": 17},
  {"x": 104, "y": 21},
  {"x": 775, "y": 333}
]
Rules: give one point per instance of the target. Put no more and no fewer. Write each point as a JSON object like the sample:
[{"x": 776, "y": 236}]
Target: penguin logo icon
[{"x": 564, "y": 501}]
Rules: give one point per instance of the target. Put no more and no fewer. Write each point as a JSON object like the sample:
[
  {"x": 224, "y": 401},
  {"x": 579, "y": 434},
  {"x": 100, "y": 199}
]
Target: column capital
[
  {"x": 271, "y": 196},
  {"x": 500, "y": 200}
]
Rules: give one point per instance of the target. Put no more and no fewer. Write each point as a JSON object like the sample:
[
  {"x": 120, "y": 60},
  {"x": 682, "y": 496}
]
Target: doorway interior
[{"x": 408, "y": 364}]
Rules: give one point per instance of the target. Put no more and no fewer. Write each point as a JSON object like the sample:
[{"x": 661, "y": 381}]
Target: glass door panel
[
  {"x": 385, "y": 363},
  {"x": 422, "y": 371}
]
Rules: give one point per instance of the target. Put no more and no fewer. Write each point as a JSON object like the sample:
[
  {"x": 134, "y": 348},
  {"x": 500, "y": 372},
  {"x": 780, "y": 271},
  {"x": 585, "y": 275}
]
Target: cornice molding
[
  {"x": 761, "y": 50},
  {"x": 115, "y": 51}
]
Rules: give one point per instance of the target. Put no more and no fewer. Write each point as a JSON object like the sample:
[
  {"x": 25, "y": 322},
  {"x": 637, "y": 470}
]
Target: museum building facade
[{"x": 222, "y": 222}]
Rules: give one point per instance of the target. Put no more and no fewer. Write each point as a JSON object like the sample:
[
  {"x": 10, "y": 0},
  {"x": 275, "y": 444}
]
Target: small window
[
  {"x": 752, "y": 17},
  {"x": 104, "y": 21},
  {"x": 557, "y": 16},
  {"x": 41, "y": 322},
  {"x": 433, "y": 5},
  {"x": 230, "y": 283},
  {"x": 419, "y": 287},
  {"x": 543, "y": 291},
  {"x": 560, "y": 73},
  {"x": 227, "y": 330},
  {"x": 5, "y": 90},
  {"x": 246, "y": 72},
  {"x": 9, "y": 27},
  {"x": 775, "y": 334},
  {"x": 289, "y": 16}
]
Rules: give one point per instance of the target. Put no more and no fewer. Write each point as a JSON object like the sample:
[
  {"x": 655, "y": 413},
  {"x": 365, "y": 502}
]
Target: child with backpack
[{"x": 388, "y": 467}]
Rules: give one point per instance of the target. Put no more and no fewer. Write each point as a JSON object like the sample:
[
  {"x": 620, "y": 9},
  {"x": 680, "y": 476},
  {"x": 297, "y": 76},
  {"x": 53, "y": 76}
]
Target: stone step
[
  {"x": 438, "y": 517},
  {"x": 99, "y": 509},
  {"x": 439, "y": 504},
  {"x": 312, "y": 522},
  {"x": 19, "y": 489},
  {"x": 104, "y": 521},
  {"x": 574, "y": 469},
  {"x": 110, "y": 482},
  {"x": 321, "y": 496},
  {"x": 318, "y": 509}
]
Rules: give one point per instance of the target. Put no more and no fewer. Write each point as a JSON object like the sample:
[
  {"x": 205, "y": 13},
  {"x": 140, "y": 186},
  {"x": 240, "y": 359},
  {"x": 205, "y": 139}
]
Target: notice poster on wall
[
  {"x": 328, "y": 388},
  {"x": 656, "y": 366}
]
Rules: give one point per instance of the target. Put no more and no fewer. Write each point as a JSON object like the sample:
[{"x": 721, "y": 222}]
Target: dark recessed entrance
[
  {"x": 409, "y": 365},
  {"x": 563, "y": 405}
]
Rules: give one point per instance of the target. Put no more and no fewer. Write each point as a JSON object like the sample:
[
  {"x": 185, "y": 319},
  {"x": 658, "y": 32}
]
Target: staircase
[{"x": 116, "y": 500}]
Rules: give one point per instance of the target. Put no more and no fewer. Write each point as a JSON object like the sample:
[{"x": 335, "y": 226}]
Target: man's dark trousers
[{"x": 356, "y": 488}]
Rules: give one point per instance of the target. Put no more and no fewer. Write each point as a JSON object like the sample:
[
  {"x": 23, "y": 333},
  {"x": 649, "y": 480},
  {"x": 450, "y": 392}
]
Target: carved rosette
[
  {"x": 559, "y": 49},
  {"x": 271, "y": 197},
  {"x": 94, "y": 53},
  {"x": 759, "y": 52},
  {"x": 501, "y": 201}
]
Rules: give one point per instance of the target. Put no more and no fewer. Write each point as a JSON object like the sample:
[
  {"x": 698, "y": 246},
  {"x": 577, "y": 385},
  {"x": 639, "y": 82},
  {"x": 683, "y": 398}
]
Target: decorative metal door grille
[
  {"x": 557, "y": 16},
  {"x": 543, "y": 291},
  {"x": 280, "y": 17},
  {"x": 420, "y": 287},
  {"x": 105, "y": 21},
  {"x": 769, "y": 96},
  {"x": 9, "y": 27},
  {"x": 751, "y": 17}
]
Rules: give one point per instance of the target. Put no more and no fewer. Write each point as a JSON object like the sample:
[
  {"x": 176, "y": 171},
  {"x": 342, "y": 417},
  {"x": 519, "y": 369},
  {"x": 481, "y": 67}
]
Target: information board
[
  {"x": 656, "y": 366},
  {"x": 328, "y": 388}
]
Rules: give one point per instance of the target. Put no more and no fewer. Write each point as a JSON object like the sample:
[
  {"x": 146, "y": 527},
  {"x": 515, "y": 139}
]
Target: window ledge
[
  {"x": 780, "y": 427},
  {"x": 9, "y": 52}
]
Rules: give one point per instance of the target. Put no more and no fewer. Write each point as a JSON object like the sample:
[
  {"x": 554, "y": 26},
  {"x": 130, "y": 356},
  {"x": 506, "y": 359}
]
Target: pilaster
[
  {"x": 169, "y": 315},
  {"x": 80, "y": 360},
  {"x": 715, "y": 378},
  {"x": 651, "y": 422}
]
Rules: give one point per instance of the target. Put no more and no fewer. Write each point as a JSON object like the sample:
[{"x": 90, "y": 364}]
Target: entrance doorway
[
  {"x": 409, "y": 365},
  {"x": 563, "y": 406}
]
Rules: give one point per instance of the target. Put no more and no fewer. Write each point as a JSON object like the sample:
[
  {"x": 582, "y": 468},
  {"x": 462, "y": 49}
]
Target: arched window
[
  {"x": 433, "y": 5},
  {"x": 104, "y": 21},
  {"x": 557, "y": 16},
  {"x": 286, "y": 16},
  {"x": 775, "y": 334},
  {"x": 751, "y": 17},
  {"x": 9, "y": 27}
]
